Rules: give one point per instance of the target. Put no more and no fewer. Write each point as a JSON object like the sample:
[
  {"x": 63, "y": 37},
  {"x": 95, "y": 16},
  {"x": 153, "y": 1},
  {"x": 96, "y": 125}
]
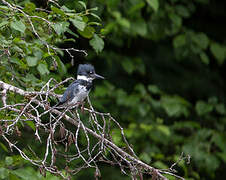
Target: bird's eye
[{"x": 90, "y": 72}]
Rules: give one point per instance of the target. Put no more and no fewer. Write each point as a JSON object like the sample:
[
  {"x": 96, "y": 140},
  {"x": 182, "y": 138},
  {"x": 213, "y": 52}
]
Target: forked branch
[{"x": 89, "y": 142}]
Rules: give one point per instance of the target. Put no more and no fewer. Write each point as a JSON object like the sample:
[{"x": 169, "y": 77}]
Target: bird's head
[{"x": 87, "y": 72}]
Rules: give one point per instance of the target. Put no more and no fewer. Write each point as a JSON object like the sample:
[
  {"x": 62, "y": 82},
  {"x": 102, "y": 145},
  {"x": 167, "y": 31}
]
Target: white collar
[{"x": 85, "y": 78}]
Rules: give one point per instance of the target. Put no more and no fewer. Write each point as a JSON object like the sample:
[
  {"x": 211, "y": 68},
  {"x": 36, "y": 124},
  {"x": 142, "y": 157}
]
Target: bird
[{"x": 78, "y": 90}]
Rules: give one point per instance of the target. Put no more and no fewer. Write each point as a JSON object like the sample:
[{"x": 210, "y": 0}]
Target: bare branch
[{"x": 78, "y": 138}]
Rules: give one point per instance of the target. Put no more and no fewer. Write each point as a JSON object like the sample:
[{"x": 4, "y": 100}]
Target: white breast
[{"x": 80, "y": 95}]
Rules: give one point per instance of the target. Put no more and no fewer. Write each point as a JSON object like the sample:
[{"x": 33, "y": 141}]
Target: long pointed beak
[{"x": 97, "y": 76}]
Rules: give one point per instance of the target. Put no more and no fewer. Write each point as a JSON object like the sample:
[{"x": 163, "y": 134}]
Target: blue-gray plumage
[{"x": 80, "y": 88}]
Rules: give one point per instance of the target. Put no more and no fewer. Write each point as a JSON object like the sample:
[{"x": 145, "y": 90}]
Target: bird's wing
[{"x": 68, "y": 94}]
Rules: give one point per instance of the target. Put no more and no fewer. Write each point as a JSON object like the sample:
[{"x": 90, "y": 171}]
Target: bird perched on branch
[{"x": 76, "y": 93}]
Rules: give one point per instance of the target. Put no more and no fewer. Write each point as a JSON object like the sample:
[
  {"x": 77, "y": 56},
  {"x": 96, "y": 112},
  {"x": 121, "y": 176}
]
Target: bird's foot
[{"x": 82, "y": 108}]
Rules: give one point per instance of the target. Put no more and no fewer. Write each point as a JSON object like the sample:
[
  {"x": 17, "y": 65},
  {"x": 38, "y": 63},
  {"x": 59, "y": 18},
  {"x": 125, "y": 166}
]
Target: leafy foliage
[
  {"x": 15, "y": 168},
  {"x": 169, "y": 99},
  {"x": 29, "y": 37}
]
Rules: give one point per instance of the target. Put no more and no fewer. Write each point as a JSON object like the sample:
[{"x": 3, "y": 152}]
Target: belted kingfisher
[{"x": 80, "y": 88}]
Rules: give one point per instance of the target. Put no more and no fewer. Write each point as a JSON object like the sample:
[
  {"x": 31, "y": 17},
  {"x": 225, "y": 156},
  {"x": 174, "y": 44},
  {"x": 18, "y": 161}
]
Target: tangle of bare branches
[{"x": 81, "y": 139}]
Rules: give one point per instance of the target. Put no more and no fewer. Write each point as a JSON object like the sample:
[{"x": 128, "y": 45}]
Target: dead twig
[{"x": 78, "y": 138}]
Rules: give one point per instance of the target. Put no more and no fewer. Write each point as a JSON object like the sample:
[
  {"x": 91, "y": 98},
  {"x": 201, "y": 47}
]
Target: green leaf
[
  {"x": 160, "y": 165},
  {"x": 201, "y": 40},
  {"x": 153, "y": 4},
  {"x": 205, "y": 59},
  {"x": 116, "y": 14},
  {"x": 72, "y": 33},
  {"x": 18, "y": 25},
  {"x": 139, "y": 27},
  {"x": 29, "y": 7},
  {"x": 15, "y": 60},
  {"x": 108, "y": 28},
  {"x": 96, "y": 16},
  {"x": 203, "y": 108},
  {"x": 212, "y": 163},
  {"x": 3, "y": 173},
  {"x": 57, "y": 10},
  {"x": 4, "y": 8},
  {"x": 25, "y": 173},
  {"x": 61, "y": 67},
  {"x": 31, "y": 61},
  {"x": 93, "y": 9},
  {"x": 164, "y": 129},
  {"x": 222, "y": 156},
  {"x": 179, "y": 41},
  {"x": 66, "y": 9},
  {"x": 42, "y": 68},
  {"x": 69, "y": 40},
  {"x": 78, "y": 23},
  {"x": 124, "y": 22},
  {"x": 117, "y": 137},
  {"x": 182, "y": 11},
  {"x": 175, "y": 106},
  {"x": 82, "y": 3},
  {"x": 3, "y": 23},
  {"x": 219, "y": 140},
  {"x": 38, "y": 53},
  {"x": 60, "y": 27},
  {"x": 128, "y": 66},
  {"x": 31, "y": 124},
  {"x": 136, "y": 7},
  {"x": 220, "y": 108},
  {"x": 146, "y": 127},
  {"x": 154, "y": 89},
  {"x": 88, "y": 32},
  {"x": 4, "y": 147},
  {"x": 94, "y": 23},
  {"x": 213, "y": 100},
  {"x": 30, "y": 78},
  {"x": 97, "y": 43},
  {"x": 8, "y": 160},
  {"x": 145, "y": 157},
  {"x": 218, "y": 51},
  {"x": 177, "y": 20}
]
